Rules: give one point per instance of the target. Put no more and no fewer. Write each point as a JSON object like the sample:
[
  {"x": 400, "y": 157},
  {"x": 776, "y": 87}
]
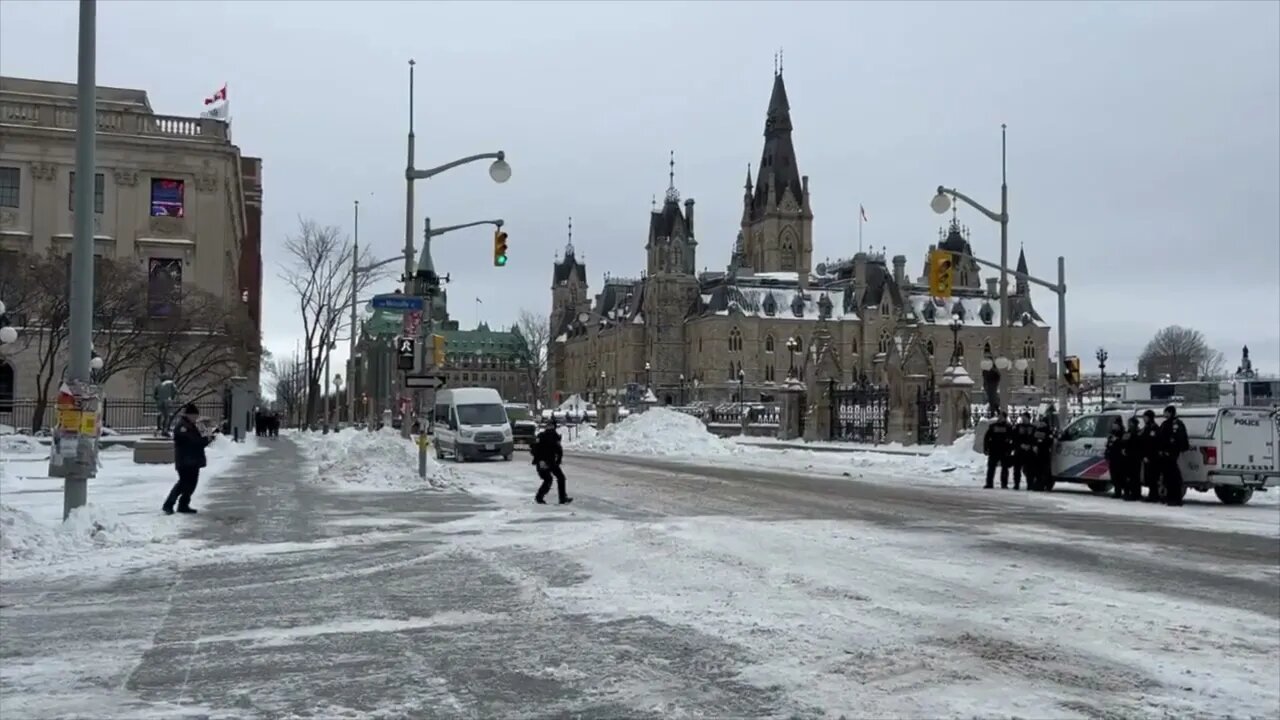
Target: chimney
[
  {"x": 900, "y": 269},
  {"x": 860, "y": 271},
  {"x": 688, "y": 215},
  {"x": 992, "y": 290},
  {"x": 804, "y": 190}
]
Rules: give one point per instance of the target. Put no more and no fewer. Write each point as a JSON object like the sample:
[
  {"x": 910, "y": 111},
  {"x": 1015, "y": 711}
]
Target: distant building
[
  {"x": 694, "y": 335},
  {"x": 172, "y": 192}
]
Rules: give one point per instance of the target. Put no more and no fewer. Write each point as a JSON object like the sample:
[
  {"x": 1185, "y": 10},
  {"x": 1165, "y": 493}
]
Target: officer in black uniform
[
  {"x": 1133, "y": 460},
  {"x": 1115, "y": 459},
  {"x": 1147, "y": 448},
  {"x": 1173, "y": 441},
  {"x": 1024, "y": 455},
  {"x": 1041, "y": 466},
  {"x": 998, "y": 446}
]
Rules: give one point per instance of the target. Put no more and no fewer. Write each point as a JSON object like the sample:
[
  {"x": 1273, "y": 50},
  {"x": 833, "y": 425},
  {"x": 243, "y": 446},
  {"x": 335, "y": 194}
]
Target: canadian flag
[
  {"x": 219, "y": 96},
  {"x": 861, "y": 210}
]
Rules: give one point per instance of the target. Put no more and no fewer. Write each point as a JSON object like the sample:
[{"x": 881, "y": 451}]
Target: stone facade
[
  {"x": 707, "y": 336},
  {"x": 170, "y": 192}
]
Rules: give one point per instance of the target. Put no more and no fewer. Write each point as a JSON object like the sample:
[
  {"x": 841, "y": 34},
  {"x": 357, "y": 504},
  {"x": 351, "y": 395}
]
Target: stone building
[
  {"x": 710, "y": 335},
  {"x": 172, "y": 193}
]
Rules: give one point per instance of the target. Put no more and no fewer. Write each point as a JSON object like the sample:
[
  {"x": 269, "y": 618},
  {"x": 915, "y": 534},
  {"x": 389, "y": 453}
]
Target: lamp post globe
[
  {"x": 500, "y": 171},
  {"x": 95, "y": 363},
  {"x": 940, "y": 202},
  {"x": 8, "y": 335},
  {"x": 1003, "y": 363},
  {"x": 1020, "y": 364}
]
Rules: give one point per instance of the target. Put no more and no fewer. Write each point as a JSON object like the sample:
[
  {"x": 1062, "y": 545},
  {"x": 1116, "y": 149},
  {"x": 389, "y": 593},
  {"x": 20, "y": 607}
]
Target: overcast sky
[{"x": 1144, "y": 138}]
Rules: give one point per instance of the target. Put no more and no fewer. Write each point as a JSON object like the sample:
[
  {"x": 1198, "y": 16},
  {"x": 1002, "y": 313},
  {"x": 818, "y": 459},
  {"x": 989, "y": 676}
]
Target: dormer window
[
  {"x": 770, "y": 305},
  {"x": 797, "y": 305},
  {"x": 986, "y": 313},
  {"x": 824, "y": 307},
  {"x": 930, "y": 311},
  {"x": 957, "y": 310}
]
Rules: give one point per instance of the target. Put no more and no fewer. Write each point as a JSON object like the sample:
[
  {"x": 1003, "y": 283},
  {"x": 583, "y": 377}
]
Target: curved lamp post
[
  {"x": 793, "y": 347},
  {"x": 1101, "y": 356}
]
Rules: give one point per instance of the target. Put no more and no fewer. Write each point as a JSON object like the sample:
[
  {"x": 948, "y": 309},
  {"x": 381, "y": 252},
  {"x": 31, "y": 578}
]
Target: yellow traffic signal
[
  {"x": 437, "y": 350},
  {"x": 1072, "y": 370},
  {"x": 499, "y": 248},
  {"x": 941, "y": 273}
]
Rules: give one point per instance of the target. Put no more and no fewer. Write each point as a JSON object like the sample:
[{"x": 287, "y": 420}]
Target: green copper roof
[{"x": 484, "y": 341}]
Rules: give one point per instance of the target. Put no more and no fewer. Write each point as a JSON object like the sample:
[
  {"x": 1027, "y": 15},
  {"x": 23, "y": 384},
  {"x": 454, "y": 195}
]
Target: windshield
[
  {"x": 518, "y": 413},
  {"x": 481, "y": 415}
]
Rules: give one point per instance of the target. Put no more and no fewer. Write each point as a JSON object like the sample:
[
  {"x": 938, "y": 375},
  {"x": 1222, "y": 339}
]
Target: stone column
[
  {"x": 953, "y": 400},
  {"x": 904, "y": 413},
  {"x": 790, "y": 410},
  {"x": 817, "y": 426}
]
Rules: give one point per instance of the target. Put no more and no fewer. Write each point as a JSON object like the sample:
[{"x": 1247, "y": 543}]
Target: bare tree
[
  {"x": 1213, "y": 366},
  {"x": 202, "y": 344},
  {"x": 535, "y": 330},
  {"x": 318, "y": 270},
  {"x": 120, "y": 314},
  {"x": 40, "y": 299},
  {"x": 1176, "y": 352},
  {"x": 288, "y": 383}
]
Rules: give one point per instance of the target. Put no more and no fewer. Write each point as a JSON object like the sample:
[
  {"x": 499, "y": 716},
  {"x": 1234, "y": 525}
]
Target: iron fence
[
  {"x": 859, "y": 412},
  {"x": 122, "y": 416}
]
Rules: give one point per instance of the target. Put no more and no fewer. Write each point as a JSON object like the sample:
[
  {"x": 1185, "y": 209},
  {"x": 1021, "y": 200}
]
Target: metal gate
[
  {"x": 927, "y": 415},
  {"x": 859, "y": 412}
]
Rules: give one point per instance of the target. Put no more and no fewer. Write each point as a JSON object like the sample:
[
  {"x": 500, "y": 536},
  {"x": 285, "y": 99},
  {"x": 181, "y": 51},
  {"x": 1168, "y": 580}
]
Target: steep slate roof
[
  {"x": 567, "y": 267},
  {"x": 486, "y": 342},
  {"x": 778, "y": 158}
]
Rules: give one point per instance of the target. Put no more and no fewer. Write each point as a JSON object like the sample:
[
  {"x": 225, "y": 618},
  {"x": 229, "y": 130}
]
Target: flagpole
[{"x": 859, "y": 228}]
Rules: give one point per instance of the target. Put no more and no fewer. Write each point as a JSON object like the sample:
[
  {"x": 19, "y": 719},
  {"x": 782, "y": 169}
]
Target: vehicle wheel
[
  {"x": 1233, "y": 495},
  {"x": 458, "y": 457},
  {"x": 1099, "y": 488},
  {"x": 439, "y": 453},
  {"x": 506, "y": 458}
]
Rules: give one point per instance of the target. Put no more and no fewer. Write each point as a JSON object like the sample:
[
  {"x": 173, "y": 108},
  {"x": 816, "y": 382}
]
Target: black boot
[{"x": 566, "y": 501}]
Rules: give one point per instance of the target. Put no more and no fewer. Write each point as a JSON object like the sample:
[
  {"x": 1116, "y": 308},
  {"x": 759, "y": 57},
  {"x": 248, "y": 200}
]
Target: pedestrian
[
  {"x": 1040, "y": 475},
  {"x": 1173, "y": 441},
  {"x": 1024, "y": 455},
  {"x": 1114, "y": 454},
  {"x": 1133, "y": 461},
  {"x": 1148, "y": 443},
  {"x": 189, "y": 442},
  {"x": 548, "y": 454},
  {"x": 998, "y": 447}
]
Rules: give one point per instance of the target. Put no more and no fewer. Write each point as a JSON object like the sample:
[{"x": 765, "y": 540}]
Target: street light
[
  {"x": 956, "y": 324},
  {"x": 648, "y": 375},
  {"x": 337, "y": 391},
  {"x": 942, "y": 202},
  {"x": 1101, "y": 355},
  {"x": 681, "y": 389},
  {"x": 742, "y": 400},
  {"x": 8, "y": 333},
  {"x": 793, "y": 347}
]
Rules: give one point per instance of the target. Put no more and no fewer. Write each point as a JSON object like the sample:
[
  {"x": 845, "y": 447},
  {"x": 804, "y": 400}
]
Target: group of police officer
[{"x": 1138, "y": 455}]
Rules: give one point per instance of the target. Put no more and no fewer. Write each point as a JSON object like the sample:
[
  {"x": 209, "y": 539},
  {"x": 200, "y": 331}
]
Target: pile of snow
[
  {"x": 21, "y": 445},
  {"x": 657, "y": 432},
  {"x": 121, "y": 526},
  {"x": 369, "y": 460}
]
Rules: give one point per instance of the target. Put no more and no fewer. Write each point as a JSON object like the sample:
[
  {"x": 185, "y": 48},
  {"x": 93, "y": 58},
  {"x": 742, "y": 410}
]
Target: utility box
[{"x": 240, "y": 410}]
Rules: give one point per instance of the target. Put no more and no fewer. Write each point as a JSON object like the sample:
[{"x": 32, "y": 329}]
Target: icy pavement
[{"x": 664, "y": 591}]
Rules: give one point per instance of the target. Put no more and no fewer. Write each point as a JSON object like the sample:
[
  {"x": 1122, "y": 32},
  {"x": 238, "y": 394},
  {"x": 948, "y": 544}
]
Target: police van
[{"x": 1233, "y": 450}]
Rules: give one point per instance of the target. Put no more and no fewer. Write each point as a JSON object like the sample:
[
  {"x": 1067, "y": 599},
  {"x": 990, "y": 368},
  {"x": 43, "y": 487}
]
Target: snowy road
[{"x": 664, "y": 591}]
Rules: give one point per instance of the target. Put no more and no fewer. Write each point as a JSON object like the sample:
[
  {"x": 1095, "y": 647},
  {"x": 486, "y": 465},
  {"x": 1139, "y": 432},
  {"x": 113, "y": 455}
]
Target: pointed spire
[
  {"x": 747, "y": 187},
  {"x": 568, "y": 248},
  {"x": 1021, "y": 286},
  {"x": 779, "y": 61},
  {"x": 673, "y": 195}
]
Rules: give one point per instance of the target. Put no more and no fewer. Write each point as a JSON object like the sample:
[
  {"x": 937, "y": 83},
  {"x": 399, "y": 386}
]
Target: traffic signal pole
[{"x": 1060, "y": 289}]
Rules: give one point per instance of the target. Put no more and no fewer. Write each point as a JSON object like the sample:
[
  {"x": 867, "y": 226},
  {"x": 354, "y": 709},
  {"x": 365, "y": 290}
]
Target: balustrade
[{"x": 63, "y": 117}]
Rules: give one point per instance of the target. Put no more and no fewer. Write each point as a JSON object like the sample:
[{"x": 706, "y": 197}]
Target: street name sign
[{"x": 396, "y": 302}]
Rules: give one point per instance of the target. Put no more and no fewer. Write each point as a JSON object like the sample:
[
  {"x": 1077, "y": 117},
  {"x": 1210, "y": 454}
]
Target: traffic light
[
  {"x": 941, "y": 273},
  {"x": 499, "y": 248},
  {"x": 1072, "y": 370},
  {"x": 437, "y": 350}
]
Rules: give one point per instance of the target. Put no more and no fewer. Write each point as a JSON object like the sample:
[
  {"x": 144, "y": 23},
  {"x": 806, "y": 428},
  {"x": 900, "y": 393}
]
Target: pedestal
[
  {"x": 153, "y": 451},
  {"x": 954, "y": 398},
  {"x": 790, "y": 411},
  {"x": 817, "y": 425}
]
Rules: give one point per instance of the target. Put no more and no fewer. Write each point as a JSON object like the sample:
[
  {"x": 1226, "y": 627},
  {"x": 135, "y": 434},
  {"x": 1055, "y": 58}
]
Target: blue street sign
[{"x": 406, "y": 303}]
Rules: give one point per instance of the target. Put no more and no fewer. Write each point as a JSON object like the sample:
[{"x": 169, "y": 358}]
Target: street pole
[
  {"x": 355, "y": 290},
  {"x": 1004, "y": 248},
  {"x": 76, "y": 484},
  {"x": 1064, "y": 414}
]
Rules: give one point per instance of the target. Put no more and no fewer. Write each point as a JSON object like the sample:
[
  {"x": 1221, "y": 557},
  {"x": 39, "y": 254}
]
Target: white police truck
[{"x": 1233, "y": 450}]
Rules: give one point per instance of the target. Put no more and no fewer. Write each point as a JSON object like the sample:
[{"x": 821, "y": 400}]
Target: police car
[{"x": 1233, "y": 450}]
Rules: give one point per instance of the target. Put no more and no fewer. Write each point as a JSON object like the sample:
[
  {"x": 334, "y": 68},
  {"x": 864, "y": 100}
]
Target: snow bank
[
  {"x": 656, "y": 432},
  {"x": 370, "y": 460},
  {"x": 21, "y": 445},
  {"x": 121, "y": 527}
]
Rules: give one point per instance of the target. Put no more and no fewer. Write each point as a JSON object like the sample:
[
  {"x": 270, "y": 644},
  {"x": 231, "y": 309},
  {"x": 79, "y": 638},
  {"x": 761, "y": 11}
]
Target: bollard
[{"x": 422, "y": 455}]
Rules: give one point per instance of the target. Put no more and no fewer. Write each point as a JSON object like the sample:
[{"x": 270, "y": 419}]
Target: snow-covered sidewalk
[
  {"x": 122, "y": 525},
  {"x": 360, "y": 460}
]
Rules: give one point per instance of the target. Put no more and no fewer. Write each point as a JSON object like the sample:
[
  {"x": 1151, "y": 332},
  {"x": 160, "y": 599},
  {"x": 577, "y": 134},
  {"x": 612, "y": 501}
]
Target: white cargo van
[
  {"x": 472, "y": 423},
  {"x": 1233, "y": 450}
]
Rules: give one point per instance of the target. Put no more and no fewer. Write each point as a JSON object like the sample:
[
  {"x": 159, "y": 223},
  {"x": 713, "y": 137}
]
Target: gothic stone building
[{"x": 704, "y": 336}]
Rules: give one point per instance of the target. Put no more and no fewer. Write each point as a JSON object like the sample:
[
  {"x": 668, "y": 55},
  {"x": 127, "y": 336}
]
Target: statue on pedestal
[{"x": 166, "y": 396}]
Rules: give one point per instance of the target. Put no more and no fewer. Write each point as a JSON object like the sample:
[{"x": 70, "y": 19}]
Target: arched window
[
  {"x": 735, "y": 340},
  {"x": 1029, "y": 354},
  {"x": 853, "y": 345},
  {"x": 788, "y": 252},
  {"x": 986, "y": 348},
  {"x": 960, "y": 349},
  {"x": 886, "y": 341},
  {"x": 8, "y": 386},
  {"x": 677, "y": 259},
  {"x": 1029, "y": 349},
  {"x": 768, "y": 343},
  {"x": 699, "y": 344},
  {"x": 928, "y": 348}
]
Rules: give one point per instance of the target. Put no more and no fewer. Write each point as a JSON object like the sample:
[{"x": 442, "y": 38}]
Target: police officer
[
  {"x": 1133, "y": 461},
  {"x": 1042, "y": 448},
  {"x": 1023, "y": 450},
  {"x": 998, "y": 446},
  {"x": 1115, "y": 459},
  {"x": 1173, "y": 441},
  {"x": 1147, "y": 448}
]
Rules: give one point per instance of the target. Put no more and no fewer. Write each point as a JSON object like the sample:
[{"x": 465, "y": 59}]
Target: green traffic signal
[{"x": 500, "y": 260}]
